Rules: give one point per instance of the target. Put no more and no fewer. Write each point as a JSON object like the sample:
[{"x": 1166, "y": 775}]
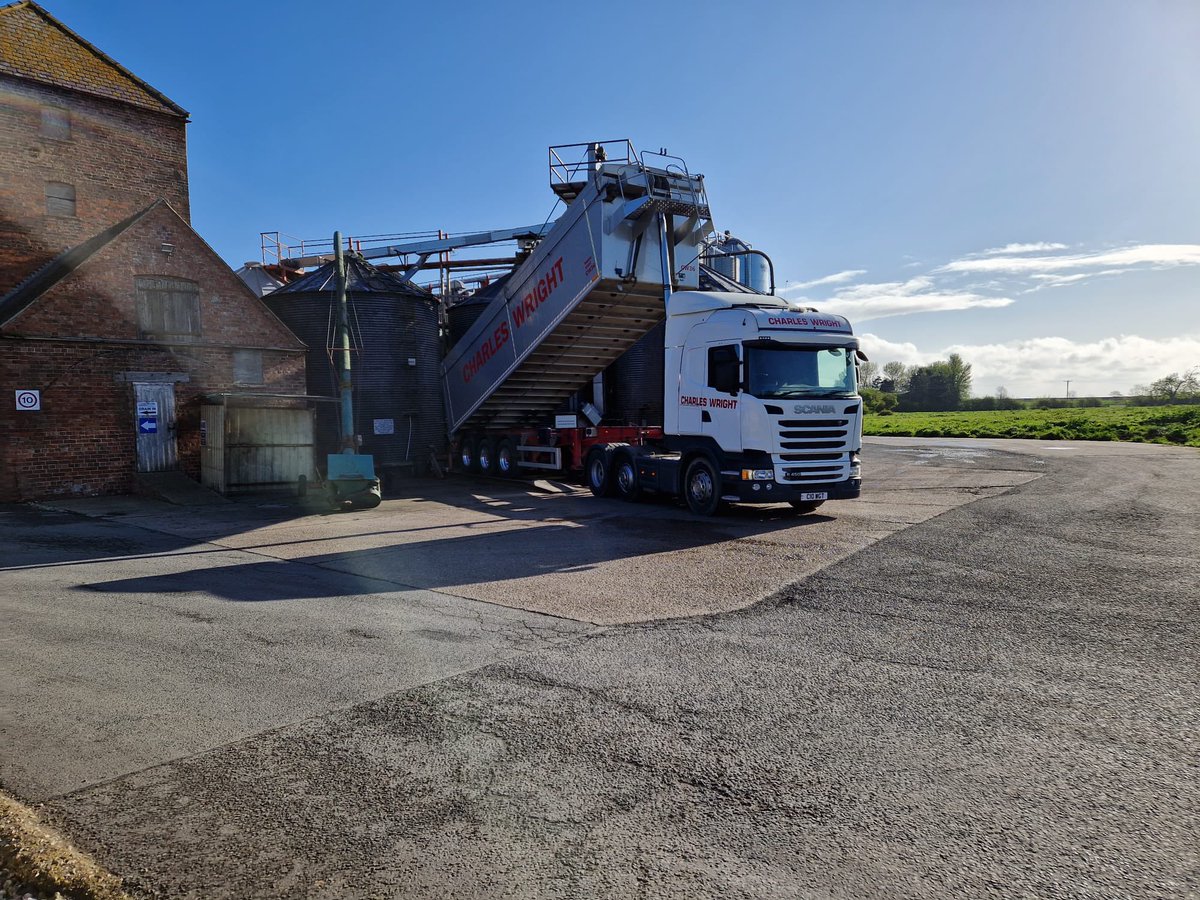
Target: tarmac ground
[{"x": 978, "y": 680}]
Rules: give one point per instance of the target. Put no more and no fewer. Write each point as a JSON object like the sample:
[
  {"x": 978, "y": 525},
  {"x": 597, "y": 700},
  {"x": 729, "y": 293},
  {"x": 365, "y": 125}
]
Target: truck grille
[{"x": 813, "y": 449}]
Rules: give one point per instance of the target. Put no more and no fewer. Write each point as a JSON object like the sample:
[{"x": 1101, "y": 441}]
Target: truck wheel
[
  {"x": 506, "y": 458},
  {"x": 598, "y": 472},
  {"x": 625, "y": 476},
  {"x": 804, "y": 507},
  {"x": 702, "y": 487},
  {"x": 487, "y": 456}
]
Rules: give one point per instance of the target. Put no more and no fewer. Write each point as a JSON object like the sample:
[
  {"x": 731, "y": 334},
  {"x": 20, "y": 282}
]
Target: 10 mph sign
[{"x": 30, "y": 401}]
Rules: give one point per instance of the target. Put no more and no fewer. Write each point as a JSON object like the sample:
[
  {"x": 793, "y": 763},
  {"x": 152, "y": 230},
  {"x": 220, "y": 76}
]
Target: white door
[{"x": 154, "y": 419}]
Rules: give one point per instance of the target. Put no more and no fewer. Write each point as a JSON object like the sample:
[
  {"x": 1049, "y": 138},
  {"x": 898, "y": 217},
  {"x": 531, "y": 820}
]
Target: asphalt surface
[{"x": 994, "y": 694}]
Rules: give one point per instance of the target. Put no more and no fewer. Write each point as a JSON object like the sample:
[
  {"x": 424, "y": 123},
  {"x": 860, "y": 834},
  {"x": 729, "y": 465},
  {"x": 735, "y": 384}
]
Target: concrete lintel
[{"x": 153, "y": 377}]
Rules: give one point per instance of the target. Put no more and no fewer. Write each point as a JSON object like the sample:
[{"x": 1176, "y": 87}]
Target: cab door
[{"x": 720, "y": 418}]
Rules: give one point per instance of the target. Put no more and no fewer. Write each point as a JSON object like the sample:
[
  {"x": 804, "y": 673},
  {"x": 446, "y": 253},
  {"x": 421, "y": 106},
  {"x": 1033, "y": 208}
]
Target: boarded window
[
  {"x": 247, "y": 367},
  {"x": 60, "y": 198},
  {"x": 168, "y": 308},
  {"x": 56, "y": 123}
]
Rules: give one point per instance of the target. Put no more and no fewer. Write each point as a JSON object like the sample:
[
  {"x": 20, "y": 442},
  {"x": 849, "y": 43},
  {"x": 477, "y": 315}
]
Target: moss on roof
[{"x": 36, "y": 46}]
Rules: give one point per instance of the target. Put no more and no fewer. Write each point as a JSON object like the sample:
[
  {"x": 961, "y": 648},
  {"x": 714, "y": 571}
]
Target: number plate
[{"x": 815, "y": 495}]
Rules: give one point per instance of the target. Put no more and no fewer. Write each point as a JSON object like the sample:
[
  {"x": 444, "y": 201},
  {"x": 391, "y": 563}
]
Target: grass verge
[
  {"x": 1179, "y": 425},
  {"x": 41, "y": 860}
]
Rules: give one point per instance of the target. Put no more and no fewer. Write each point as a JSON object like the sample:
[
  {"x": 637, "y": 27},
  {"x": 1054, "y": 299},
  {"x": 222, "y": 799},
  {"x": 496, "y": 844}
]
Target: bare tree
[
  {"x": 868, "y": 374},
  {"x": 1174, "y": 387},
  {"x": 897, "y": 373}
]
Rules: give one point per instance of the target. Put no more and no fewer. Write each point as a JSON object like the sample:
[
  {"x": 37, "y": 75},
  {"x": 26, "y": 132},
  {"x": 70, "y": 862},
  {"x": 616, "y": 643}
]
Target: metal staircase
[{"x": 596, "y": 283}]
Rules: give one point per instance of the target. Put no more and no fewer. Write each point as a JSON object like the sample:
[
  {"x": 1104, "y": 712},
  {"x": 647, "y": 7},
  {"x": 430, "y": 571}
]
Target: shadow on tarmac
[{"x": 543, "y": 541}]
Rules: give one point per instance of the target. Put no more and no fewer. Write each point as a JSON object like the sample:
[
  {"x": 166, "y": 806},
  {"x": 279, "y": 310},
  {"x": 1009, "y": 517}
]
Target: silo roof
[{"x": 361, "y": 278}]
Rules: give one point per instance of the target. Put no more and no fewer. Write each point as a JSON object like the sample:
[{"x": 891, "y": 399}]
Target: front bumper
[{"x": 774, "y": 492}]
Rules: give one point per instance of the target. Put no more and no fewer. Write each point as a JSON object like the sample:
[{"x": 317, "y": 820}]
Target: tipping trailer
[{"x": 761, "y": 401}]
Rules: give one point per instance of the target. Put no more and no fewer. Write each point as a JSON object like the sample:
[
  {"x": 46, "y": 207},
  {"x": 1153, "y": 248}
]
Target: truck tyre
[
  {"x": 702, "y": 487},
  {"x": 625, "y": 476},
  {"x": 804, "y": 507},
  {"x": 486, "y": 451},
  {"x": 506, "y": 458},
  {"x": 598, "y": 472}
]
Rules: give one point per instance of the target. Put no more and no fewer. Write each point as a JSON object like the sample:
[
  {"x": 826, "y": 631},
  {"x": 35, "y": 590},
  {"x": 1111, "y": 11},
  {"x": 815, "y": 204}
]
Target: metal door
[{"x": 154, "y": 419}]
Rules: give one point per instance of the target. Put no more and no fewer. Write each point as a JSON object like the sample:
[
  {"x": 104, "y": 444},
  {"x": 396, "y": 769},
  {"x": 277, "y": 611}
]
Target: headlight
[
  {"x": 758, "y": 474},
  {"x": 855, "y": 466}
]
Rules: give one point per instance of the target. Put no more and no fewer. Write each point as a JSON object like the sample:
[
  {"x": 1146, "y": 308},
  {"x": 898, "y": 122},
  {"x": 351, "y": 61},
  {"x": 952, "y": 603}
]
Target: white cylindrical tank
[
  {"x": 735, "y": 259},
  {"x": 755, "y": 272}
]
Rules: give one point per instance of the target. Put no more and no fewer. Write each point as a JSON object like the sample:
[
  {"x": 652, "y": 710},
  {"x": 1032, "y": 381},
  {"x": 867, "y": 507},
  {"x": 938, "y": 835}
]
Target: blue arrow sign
[{"x": 147, "y": 425}]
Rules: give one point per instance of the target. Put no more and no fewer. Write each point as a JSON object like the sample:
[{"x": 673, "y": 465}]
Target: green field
[{"x": 1147, "y": 424}]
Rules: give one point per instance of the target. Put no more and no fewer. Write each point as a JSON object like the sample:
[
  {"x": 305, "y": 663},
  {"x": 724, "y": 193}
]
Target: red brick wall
[
  {"x": 82, "y": 442},
  {"x": 98, "y": 299},
  {"x": 73, "y": 341},
  {"x": 120, "y": 158}
]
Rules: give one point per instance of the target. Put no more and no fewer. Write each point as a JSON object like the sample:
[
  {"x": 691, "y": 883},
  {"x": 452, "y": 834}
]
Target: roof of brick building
[{"x": 36, "y": 46}]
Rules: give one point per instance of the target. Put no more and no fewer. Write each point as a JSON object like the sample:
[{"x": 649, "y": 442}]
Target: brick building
[{"x": 112, "y": 308}]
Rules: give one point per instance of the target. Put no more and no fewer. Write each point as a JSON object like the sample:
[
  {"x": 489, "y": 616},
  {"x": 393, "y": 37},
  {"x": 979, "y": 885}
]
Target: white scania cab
[{"x": 761, "y": 406}]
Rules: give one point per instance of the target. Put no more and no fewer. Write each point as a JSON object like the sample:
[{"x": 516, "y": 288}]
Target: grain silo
[{"x": 398, "y": 404}]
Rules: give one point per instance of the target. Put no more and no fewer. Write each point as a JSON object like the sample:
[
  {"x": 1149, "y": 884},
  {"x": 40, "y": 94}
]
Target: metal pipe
[
  {"x": 668, "y": 282},
  {"x": 343, "y": 327}
]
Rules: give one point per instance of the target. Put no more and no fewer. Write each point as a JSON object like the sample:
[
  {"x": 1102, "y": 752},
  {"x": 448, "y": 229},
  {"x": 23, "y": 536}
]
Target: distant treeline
[{"x": 945, "y": 386}]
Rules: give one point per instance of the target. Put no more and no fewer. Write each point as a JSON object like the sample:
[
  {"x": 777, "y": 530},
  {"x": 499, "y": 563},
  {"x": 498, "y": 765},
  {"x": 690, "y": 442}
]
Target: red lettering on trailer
[
  {"x": 538, "y": 294},
  {"x": 487, "y": 350}
]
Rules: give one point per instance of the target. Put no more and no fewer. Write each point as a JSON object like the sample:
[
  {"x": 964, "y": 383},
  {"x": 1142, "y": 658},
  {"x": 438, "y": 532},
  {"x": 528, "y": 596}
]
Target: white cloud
[
  {"x": 862, "y": 302},
  {"x": 1152, "y": 255},
  {"x": 835, "y": 278},
  {"x": 1038, "y": 247},
  {"x": 1039, "y": 367}
]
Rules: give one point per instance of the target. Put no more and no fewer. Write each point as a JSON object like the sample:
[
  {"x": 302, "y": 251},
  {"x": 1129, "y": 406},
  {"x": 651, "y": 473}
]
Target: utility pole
[{"x": 1067, "y": 395}]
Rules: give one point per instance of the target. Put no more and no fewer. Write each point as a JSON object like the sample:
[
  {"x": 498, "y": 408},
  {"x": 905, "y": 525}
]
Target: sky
[{"x": 1016, "y": 182}]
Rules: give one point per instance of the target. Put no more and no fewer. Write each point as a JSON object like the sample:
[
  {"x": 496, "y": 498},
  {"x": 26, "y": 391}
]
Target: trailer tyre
[
  {"x": 468, "y": 455},
  {"x": 486, "y": 451},
  {"x": 702, "y": 487},
  {"x": 506, "y": 458},
  {"x": 625, "y": 476},
  {"x": 598, "y": 472}
]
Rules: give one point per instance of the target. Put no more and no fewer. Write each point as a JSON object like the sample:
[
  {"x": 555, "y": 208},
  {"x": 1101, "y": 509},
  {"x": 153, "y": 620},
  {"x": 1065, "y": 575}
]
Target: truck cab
[{"x": 761, "y": 405}]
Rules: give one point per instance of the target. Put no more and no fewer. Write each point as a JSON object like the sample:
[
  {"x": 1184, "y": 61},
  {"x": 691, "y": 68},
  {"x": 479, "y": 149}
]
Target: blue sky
[{"x": 1018, "y": 182}]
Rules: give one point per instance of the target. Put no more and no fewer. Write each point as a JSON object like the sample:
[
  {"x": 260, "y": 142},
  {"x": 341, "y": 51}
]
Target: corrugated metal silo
[
  {"x": 634, "y": 382},
  {"x": 462, "y": 315},
  {"x": 398, "y": 406}
]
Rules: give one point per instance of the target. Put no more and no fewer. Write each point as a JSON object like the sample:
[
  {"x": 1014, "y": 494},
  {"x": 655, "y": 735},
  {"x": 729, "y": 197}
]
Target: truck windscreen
[{"x": 781, "y": 371}]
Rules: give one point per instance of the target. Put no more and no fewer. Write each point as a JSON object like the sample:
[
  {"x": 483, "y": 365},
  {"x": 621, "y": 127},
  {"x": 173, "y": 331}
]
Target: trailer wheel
[
  {"x": 625, "y": 476},
  {"x": 702, "y": 487},
  {"x": 804, "y": 507},
  {"x": 598, "y": 472},
  {"x": 467, "y": 451},
  {"x": 506, "y": 458},
  {"x": 486, "y": 453}
]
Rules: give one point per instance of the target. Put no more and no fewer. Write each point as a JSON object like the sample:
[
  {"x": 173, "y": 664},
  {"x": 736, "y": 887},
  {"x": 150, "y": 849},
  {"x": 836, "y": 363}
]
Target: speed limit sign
[{"x": 29, "y": 401}]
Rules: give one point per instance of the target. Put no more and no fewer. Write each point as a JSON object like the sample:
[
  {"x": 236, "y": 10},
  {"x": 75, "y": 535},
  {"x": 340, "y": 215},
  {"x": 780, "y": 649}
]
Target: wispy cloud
[
  {"x": 1141, "y": 255},
  {"x": 1040, "y": 367},
  {"x": 989, "y": 279},
  {"x": 862, "y": 302},
  {"x": 835, "y": 278},
  {"x": 1038, "y": 247}
]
